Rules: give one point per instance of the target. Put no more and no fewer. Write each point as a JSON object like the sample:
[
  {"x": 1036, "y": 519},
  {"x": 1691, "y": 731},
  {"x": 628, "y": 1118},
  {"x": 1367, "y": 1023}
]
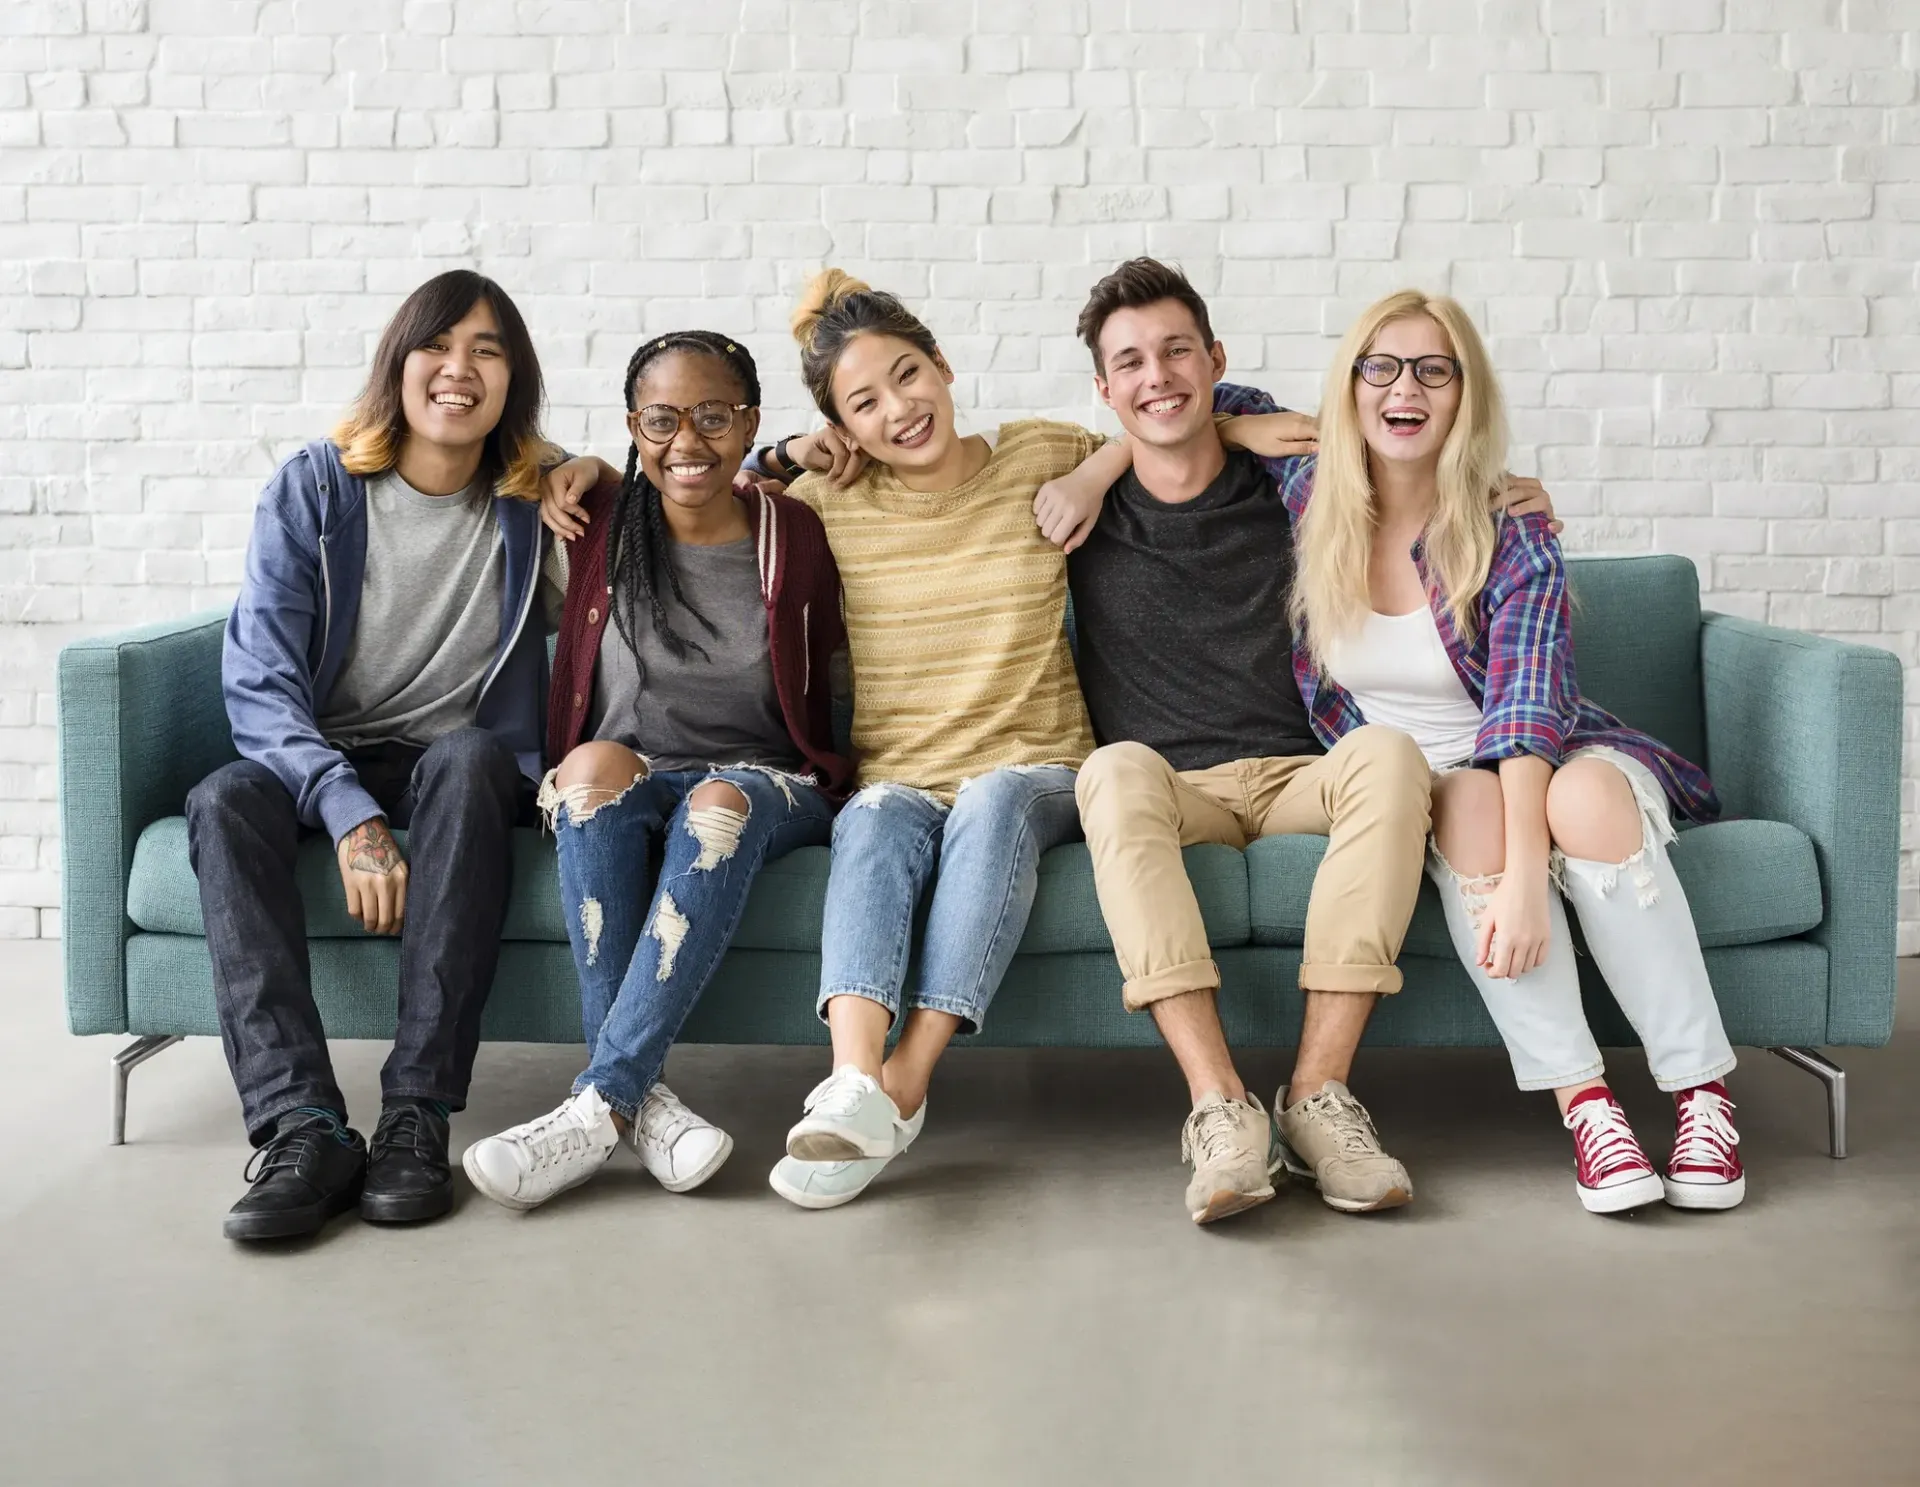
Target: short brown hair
[{"x": 1137, "y": 282}]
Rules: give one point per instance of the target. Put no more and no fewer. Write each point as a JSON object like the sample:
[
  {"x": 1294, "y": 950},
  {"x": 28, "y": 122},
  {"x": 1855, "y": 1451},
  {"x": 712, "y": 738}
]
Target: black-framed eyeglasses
[
  {"x": 659, "y": 422},
  {"x": 1381, "y": 370}
]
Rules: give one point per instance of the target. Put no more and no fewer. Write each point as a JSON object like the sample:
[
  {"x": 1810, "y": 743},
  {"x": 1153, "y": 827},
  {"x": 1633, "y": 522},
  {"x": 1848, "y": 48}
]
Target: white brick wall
[{"x": 1690, "y": 227}]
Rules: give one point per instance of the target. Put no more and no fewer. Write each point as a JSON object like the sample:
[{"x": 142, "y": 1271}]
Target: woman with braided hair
[{"x": 691, "y": 720}]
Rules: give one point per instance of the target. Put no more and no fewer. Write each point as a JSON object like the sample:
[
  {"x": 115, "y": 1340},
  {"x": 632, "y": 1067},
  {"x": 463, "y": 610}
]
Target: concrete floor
[{"x": 1021, "y": 1300}]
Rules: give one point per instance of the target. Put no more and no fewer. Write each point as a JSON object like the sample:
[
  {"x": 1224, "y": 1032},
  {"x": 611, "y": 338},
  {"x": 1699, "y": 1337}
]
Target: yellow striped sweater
[{"x": 955, "y": 608}]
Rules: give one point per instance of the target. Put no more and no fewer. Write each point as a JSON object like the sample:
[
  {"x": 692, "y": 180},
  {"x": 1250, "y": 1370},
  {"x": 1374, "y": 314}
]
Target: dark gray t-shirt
[
  {"x": 1181, "y": 616},
  {"x": 691, "y": 713},
  {"x": 429, "y": 622}
]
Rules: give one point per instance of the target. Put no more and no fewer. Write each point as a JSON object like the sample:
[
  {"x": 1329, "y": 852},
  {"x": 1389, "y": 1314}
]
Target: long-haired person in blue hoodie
[{"x": 385, "y": 669}]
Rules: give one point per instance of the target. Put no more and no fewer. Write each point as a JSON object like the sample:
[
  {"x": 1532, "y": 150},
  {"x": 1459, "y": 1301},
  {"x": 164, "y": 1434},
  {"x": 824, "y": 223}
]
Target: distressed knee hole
[
  {"x": 717, "y": 830},
  {"x": 1604, "y": 877},
  {"x": 669, "y": 928},
  {"x": 582, "y": 800},
  {"x": 1474, "y": 889},
  {"x": 872, "y": 796},
  {"x": 783, "y": 780}
]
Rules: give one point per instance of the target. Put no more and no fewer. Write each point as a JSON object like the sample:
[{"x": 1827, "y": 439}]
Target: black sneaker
[
  {"x": 309, "y": 1171},
  {"x": 408, "y": 1178}
]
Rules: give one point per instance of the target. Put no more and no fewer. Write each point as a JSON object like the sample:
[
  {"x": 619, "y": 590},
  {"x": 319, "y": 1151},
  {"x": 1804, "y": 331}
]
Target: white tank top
[{"x": 1396, "y": 669}]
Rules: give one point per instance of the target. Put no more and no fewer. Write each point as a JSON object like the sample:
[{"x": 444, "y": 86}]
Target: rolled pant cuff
[
  {"x": 970, "y": 1015},
  {"x": 1383, "y": 979},
  {"x": 1559, "y": 1081},
  {"x": 1714, "y": 1071},
  {"x": 871, "y": 993},
  {"x": 1141, "y": 992}
]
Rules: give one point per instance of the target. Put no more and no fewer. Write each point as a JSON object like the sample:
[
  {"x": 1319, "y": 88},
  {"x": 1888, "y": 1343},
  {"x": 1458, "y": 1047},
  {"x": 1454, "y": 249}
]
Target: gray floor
[{"x": 1022, "y": 1300}]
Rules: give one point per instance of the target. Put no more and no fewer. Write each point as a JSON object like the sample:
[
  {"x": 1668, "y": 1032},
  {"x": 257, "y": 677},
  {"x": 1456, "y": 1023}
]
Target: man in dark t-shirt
[{"x": 1180, "y": 600}]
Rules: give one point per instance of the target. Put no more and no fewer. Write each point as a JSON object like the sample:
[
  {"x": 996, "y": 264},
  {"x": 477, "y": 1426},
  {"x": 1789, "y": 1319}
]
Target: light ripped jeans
[
  {"x": 1640, "y": 931},
  {"x": 982, "y": 855}
]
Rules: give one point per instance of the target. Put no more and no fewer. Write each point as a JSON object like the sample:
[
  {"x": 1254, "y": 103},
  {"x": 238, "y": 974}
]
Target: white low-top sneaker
[
  {"x": 525, "y": 1166},
  {"x": 829, "y": 1184},
  {"x": 848, "y": 1117},
  {"x": 679, "y": 1148}
]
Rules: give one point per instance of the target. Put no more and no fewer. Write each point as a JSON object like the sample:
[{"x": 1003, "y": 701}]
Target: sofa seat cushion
[
  {"x": 1747, "y": 882},
  {"x": 783, "y": 913}
]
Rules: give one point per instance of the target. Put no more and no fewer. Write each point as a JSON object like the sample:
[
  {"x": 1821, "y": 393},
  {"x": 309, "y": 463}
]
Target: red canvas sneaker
[
  {"x": 1704, "y": 1170},
  {"x": 1611, "y": 1172}
]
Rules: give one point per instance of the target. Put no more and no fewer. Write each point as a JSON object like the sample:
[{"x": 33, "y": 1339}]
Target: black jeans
[{"x": 458, "y": 801}]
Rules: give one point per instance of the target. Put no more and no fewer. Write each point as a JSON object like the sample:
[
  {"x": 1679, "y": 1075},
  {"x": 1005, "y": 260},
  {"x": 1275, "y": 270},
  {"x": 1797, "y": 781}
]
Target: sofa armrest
[
  {"x": 1807, "y": 731},
  {"x": 141, "y": 722}
]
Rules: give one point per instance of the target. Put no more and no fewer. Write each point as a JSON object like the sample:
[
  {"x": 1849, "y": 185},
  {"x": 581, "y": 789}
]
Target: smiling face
[
  {"x": 1407, "y": 421},
  {"x": 692, "y": 470},
  {"x": 1158, "y": 373},
  {"x": 896, "y": 402},
  {"x": 453, "y": 387}
]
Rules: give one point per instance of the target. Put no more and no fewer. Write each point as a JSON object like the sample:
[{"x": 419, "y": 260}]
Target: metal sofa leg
[
  {"x": 135, "y": 1053},
  {"x": 1835, "y": 1078}
]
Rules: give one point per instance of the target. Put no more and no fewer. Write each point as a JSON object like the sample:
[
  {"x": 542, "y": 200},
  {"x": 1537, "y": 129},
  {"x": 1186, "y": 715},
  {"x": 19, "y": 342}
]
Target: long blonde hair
[{"x": 1330, "y": 595}]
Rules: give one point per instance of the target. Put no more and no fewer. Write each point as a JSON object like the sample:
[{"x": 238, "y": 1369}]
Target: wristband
[{"x": 788, "y": 469}]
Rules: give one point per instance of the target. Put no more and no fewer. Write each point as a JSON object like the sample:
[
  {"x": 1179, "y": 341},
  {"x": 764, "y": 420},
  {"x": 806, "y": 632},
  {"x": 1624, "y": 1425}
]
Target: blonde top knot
[{"x": 824, "y": 290}]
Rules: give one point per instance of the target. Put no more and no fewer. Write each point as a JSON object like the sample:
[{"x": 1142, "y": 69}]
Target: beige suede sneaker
[
  {"x": 1234, "y": 1152},
  {"x": 1330, "y": 1138}
]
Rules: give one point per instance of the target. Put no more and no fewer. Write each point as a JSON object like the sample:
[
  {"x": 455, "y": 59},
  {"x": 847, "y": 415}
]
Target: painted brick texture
[{"x": 1690, "y": 228}]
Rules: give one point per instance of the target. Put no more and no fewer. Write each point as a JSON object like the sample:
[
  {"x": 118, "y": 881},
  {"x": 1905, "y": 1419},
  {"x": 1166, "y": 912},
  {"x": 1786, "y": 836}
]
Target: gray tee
[
  {"x": 720, "y": 708},
  {"x": 429, "y": 623}
]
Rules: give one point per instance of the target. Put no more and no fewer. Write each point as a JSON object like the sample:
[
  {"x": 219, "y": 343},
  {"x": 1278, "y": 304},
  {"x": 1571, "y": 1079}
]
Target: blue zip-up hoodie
[{"x": 288, "y": 635}]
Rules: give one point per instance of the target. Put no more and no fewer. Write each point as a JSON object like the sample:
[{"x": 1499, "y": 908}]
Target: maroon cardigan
[{"x": 801, "y": 586}]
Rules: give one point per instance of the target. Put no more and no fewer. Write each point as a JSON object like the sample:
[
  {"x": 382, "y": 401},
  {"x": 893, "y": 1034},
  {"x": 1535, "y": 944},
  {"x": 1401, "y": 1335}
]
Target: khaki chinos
[{"x": 1370, "y": 796}]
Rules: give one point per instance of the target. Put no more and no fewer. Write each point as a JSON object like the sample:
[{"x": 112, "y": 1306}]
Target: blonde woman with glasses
[{"x": 1417, "y": 607}]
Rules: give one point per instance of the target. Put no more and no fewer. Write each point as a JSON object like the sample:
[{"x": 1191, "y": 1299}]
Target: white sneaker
[
  {"x": 829, "y": 1184},
  {"x": 679, "y": 1148},
  {"x": 525, "y": 1166},
  {"x": 848, "y": 1117}
]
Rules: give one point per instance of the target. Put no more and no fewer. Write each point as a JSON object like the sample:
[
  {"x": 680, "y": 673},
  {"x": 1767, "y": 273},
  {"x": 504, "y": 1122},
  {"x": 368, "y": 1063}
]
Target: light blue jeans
[
  {"x": 891, "y": 840},
  {"x": 645, "y": 950}
]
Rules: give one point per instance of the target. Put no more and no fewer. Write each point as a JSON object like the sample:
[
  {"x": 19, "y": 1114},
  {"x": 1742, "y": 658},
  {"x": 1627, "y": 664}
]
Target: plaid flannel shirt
[{"x": 1518, "y": 670}]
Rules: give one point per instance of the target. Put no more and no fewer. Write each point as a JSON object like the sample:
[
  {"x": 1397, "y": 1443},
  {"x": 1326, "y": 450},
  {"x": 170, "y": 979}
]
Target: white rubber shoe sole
[
  {"x": 1622, "y": 1196},
  {"x": 1706, "y": 1195}
]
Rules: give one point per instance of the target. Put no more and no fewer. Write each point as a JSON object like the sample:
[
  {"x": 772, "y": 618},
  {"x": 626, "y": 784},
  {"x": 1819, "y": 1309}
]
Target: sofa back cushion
[{"x": 1636, "y": 644}]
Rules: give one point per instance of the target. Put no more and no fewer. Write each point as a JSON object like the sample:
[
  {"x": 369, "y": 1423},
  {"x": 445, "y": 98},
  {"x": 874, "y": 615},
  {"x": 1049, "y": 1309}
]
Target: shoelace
[
  {"x": 404, "y": 1128},
  {"x": 1209, "y": 1132},
  {"x": 1605, "y": 1140},
  {"x": 839, "y": 1093},
  {"x": 1706, "y": 1137},
  {"x": 1352, "y": 1126},
  {"x": 553, "y": 1136},
  {"x": 662, "y": 1117},
  {"x": 290, "y": 1146}
]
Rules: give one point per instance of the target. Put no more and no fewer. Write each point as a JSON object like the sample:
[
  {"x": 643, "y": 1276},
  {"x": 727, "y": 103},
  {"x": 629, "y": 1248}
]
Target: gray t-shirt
[
  {"x": 429, "y": 622},
  {"x": 720, "y": 708}
]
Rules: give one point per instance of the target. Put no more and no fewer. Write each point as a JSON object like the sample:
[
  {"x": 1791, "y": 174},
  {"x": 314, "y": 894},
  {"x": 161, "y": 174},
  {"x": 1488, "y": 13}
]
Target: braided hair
[{"x": 640, "y": 554}]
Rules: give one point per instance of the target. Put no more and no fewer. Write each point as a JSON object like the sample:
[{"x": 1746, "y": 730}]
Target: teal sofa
[{"x": 1794, "y": 893}]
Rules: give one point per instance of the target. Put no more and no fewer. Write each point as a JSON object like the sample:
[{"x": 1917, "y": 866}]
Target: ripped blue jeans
[
  {"x": 982, "y": 856},
  {"x": 646, "y": 950}
]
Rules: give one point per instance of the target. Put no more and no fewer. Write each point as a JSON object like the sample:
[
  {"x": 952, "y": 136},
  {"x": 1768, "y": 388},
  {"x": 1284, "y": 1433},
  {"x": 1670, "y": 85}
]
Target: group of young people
[{"x": 1355, "y": 627}]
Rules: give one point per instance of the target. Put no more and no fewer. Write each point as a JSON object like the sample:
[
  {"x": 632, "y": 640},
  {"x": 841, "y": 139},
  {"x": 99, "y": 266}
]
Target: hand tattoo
[{"x": 372, "y": 849}]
